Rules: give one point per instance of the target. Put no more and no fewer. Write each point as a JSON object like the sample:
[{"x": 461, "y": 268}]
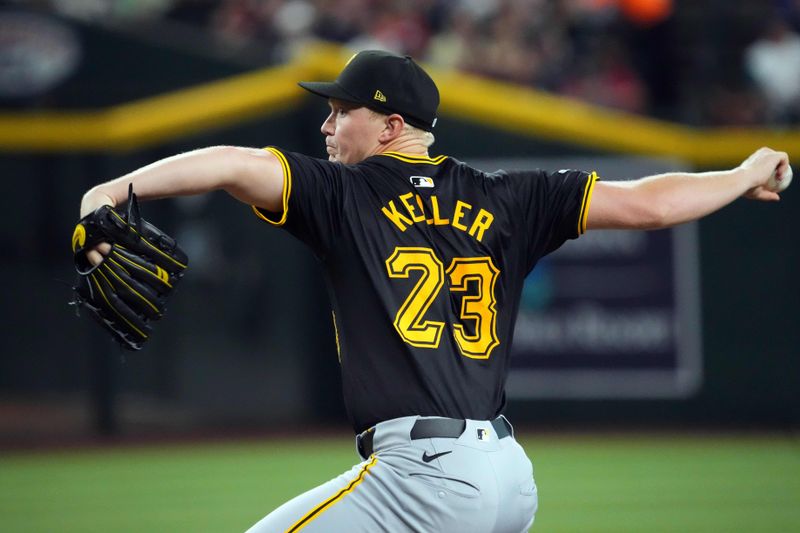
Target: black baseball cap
[{"x": 386, "y": 83}]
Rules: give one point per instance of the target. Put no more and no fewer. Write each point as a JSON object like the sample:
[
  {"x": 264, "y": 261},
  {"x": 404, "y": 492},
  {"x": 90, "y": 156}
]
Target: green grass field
[{"x": 586, "y": 484}]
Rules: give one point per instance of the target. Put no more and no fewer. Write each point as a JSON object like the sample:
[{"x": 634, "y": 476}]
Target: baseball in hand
[{"x": 777, "y": 185}]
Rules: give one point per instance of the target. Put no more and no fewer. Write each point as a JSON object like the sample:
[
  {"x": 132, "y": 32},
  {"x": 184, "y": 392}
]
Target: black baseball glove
[{"x": 128, "y": 290}]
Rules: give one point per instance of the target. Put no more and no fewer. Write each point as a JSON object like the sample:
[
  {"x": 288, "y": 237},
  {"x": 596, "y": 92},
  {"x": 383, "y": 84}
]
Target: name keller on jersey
[{"x": 462, "y": 215}]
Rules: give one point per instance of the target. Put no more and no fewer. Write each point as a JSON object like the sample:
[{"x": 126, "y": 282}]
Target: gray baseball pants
[{"x": 475, "y": 482}]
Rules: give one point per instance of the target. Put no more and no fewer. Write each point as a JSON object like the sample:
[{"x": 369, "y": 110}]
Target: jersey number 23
[{"x": 478, "y": 302}]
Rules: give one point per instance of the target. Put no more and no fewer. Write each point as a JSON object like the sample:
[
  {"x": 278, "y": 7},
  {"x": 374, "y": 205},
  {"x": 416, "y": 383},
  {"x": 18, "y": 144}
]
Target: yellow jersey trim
[
  {"x": 287, "y": 190},
  {"x": 585, "y": 202},
  {"x": 336, "y": 333},
  {"x": 409, "y": 158},
  {"x": 316, "y": 511}
]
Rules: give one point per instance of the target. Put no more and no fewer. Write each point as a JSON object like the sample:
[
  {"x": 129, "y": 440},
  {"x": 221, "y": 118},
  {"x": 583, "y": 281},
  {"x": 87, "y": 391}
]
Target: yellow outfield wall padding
[
  {"x": 151, "y": 121},
  {"x": 499, "y": 105},
  {"x": 204, "y": 107}
]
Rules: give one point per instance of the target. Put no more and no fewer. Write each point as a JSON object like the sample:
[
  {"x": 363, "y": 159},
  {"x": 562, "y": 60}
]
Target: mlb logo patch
[
  {"x": 421, "y": 181},
  {"x": 483, "y": 434}
]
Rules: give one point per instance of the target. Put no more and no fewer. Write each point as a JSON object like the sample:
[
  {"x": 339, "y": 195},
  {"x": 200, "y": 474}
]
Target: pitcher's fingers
[
  {"x": 765, "y": 195},
  {"x": 94, "y": 257},
  {"x": 96, "y": 254}
]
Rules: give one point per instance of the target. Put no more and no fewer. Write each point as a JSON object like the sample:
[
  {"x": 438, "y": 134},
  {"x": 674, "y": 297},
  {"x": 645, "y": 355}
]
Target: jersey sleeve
[
  {"x": 554, "y": 206},
  {"x": 312, "y": 200}
]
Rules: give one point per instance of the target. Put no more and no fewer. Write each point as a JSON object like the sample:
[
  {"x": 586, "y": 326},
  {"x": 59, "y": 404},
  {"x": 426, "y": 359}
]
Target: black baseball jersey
[{"x": 425, "y": 259}]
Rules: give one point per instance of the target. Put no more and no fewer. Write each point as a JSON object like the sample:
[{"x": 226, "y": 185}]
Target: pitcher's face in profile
[{"x": 351, "y": 132}]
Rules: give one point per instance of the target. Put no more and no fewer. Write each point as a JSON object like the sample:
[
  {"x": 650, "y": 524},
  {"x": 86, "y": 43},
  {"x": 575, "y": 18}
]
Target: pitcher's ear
[{"x": 394, "y": 126}]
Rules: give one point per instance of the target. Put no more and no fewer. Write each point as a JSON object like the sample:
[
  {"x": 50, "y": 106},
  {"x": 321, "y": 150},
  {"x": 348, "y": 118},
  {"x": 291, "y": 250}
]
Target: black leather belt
[{"x": 431, "y": 428}]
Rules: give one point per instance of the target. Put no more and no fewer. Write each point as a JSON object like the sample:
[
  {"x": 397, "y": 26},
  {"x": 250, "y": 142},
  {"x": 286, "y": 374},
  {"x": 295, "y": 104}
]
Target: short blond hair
[{"x": 426, "y": 137}]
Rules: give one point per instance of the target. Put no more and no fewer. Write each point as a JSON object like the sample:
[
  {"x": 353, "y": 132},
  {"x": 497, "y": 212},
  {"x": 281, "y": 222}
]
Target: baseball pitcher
[{"x": 425, "y": 259}]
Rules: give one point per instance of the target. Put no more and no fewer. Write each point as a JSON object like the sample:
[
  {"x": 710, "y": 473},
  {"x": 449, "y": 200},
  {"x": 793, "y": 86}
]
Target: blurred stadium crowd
[{"x": 704, "y": 62}]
